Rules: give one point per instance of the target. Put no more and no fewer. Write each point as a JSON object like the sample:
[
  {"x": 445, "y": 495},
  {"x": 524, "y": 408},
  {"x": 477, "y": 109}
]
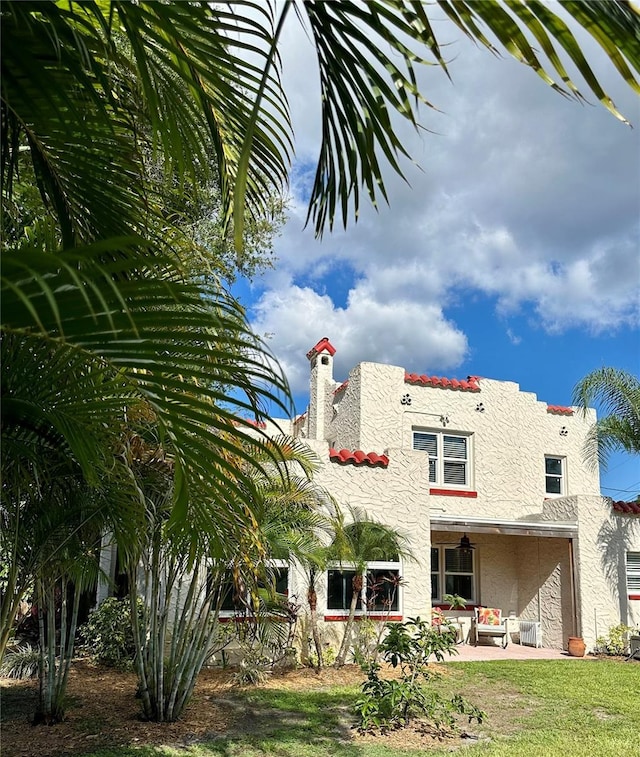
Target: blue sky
[{"x": 512, "y": 252}]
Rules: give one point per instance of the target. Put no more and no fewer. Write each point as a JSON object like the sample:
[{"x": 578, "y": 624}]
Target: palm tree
[
  {"x": 182, "y": 574},
  {"x": 356, "y": 544},
  {"x": 617, "y": 392},
  {"x": 94, "y": 91},
  {"x": 90, "y": 90}
]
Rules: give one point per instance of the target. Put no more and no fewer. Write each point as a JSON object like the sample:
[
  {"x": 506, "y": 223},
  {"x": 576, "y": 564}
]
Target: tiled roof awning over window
[{"x": 358, "y": 457}]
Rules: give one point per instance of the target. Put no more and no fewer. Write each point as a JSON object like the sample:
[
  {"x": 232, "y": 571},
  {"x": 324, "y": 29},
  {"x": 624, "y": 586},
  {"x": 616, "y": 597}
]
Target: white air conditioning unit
[{"x": 531, "y": 633}]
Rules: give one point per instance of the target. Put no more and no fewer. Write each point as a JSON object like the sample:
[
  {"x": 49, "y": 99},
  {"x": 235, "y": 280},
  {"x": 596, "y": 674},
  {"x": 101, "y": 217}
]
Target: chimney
[{"x": 320, "y": 385}]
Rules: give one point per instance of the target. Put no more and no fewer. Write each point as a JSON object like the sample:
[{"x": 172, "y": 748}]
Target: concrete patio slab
[{"x": 470, "y": 653}]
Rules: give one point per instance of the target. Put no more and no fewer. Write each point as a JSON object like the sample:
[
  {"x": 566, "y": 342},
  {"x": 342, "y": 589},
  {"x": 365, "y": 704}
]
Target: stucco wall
[
  {"x": 397, "y": 496},
  {"x": 509, "y": 440},
  {"x": 604, "y": 538},
  {"x": 511, "y": 432},
  {"x": 344, "y": 427}
]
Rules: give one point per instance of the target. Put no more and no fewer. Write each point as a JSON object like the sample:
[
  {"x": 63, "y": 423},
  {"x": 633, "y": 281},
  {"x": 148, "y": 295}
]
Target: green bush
[
  {"x": 108, "y": 634},
  {"x": 386, "y": 705},
  {"x": 615, "y": 642}
]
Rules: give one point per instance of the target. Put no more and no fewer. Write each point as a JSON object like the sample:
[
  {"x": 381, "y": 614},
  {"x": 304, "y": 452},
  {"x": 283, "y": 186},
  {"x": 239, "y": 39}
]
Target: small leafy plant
[
  {"x": 21, "y": 662},
  {"x": 386, "y": 705},
  {"x": 615, "y": 642},
  {"x": 455, "y": 601}
]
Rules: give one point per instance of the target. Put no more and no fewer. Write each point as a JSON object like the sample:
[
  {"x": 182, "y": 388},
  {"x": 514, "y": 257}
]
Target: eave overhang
[{"x": 553, "y": 528}]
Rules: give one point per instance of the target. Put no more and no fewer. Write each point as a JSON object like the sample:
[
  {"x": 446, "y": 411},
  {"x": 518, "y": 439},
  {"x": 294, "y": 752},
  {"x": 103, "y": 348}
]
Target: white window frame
[
  {"x": 395, "y": 565},
  {"x": 439, "y": 459},
  {"x": 442, "y": 574},
  {"x": 632, "y": 572},
  {"x": 562, "y": 476}
]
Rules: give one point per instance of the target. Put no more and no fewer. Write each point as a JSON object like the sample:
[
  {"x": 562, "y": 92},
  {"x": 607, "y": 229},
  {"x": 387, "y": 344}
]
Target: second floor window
[
  {"x": 554, "y": 475},
  {"x": 448, "y": 456}
]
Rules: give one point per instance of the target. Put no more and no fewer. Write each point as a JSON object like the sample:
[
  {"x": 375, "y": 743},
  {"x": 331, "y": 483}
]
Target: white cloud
[
  {"x": 404, "y": 333},
  {"x": 525, "y": 197}
]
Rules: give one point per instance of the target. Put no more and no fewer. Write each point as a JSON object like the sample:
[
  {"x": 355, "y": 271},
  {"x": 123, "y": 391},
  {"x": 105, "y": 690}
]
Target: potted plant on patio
[{"x": 455, "y": 601}]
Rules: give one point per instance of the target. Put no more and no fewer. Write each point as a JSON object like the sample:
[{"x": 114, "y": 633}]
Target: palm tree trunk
[
  {"x": 312, "y": 598},
  {"x": 358, "y": 581}
]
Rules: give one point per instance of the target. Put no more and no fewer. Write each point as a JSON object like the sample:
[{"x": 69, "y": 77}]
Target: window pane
[
  {"x": 339, "y": 589},
  {"x": 425, "y": 443},
  {"x": 432, "y": 471},
  {"x": 226, "y": 591},
  {"x": 281, "y": 580},
  {"x": 382, "y": 590},
  {"x": 455, "y": 473},
  {"x": 435, "y": 562},
  {"x": 553, "y": 485},
  {"x": 458, "y": 561},
  {"x": 455, "y": 446},
  {"x": 461, "y": 585},
  {"x": 435, "y": 586},
  {"x": 553, "y": 466}
]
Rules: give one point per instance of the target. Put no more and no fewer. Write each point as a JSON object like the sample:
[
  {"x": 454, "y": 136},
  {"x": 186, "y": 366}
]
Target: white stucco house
[
  {"x": 490, "y": 487},
  {"x": 481, "y": 461}
]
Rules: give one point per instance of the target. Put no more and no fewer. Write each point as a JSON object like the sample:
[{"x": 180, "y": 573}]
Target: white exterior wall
[{"x": 531, "y": 577}]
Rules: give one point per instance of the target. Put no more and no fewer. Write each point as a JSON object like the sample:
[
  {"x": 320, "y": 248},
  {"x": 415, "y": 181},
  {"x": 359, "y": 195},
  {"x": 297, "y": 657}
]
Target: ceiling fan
[{"x": 464, "y": 545}]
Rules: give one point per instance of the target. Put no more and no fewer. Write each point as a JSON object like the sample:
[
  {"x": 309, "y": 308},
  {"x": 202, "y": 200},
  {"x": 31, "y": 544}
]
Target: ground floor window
[
  {"x": 633, "y": 573},
  {"x": 236, "y": 600},
  {"x": 380, "y": 592},
  {"x": 452, "y": 572}
]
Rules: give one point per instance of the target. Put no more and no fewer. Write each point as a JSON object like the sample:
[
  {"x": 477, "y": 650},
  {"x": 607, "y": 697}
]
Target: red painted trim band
[
  {"x": 453, "y": 493},
  {"x": 634, "y": 596}
]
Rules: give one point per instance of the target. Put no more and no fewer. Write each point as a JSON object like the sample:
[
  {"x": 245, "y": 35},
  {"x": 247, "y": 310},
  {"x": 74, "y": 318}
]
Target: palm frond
[
  {"x": 617, "y": 393},
  {"x": 186, "y": 351},
  {"x": 368, "y": 54}
]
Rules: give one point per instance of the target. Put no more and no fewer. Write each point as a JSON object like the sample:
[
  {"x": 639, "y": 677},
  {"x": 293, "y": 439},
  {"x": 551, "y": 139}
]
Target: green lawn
[{"x": 543, "y": 708}]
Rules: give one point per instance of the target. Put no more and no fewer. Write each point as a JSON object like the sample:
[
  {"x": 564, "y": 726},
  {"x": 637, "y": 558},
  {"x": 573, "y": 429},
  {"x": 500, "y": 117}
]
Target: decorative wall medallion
[{"x": 406, "y": 399}]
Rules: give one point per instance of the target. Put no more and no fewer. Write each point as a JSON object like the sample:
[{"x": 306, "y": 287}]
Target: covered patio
[{"x": 525, "y": 568}]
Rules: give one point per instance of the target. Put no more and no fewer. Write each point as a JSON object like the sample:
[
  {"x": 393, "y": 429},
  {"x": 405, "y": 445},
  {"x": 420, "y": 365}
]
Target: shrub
[
  {"x": 253, "y": 669},
  {"x": 108, "y": 634},
  {"x": 21, "y": 662},
  {"x": 329, "y": 655},
  {"x": 390, "y": 704},
  {"x": 615, "y": 642}
]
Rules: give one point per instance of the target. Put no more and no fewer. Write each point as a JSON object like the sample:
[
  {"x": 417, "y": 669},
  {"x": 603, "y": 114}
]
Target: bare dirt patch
[{"x": 103, "y": 712}]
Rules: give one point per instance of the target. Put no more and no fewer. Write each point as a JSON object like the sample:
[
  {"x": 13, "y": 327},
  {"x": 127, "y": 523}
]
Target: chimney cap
[{"x": 323, "y": 345}]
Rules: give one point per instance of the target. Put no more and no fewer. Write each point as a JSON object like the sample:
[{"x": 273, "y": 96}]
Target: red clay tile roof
[
  {"x": 342, "y": 386},
  {"x": 631, "y": 508},
  {"x": 559, "y": 410},
  {"x": 470, "y": 385},
  {"x": 323, "y": 344},
  {"x": 250, "y": 422},
  {"x": 358, "y": 457}
]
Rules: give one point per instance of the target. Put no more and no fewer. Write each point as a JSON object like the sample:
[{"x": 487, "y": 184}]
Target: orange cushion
[{"x": 489, "y": 616}]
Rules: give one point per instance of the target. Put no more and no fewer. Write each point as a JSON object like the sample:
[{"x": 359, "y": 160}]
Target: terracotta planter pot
[{"x": 576, "y": 646}]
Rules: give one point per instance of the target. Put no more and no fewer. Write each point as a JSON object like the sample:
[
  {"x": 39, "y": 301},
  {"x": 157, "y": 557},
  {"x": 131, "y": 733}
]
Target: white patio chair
[{"x": 488, "y": 621}]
